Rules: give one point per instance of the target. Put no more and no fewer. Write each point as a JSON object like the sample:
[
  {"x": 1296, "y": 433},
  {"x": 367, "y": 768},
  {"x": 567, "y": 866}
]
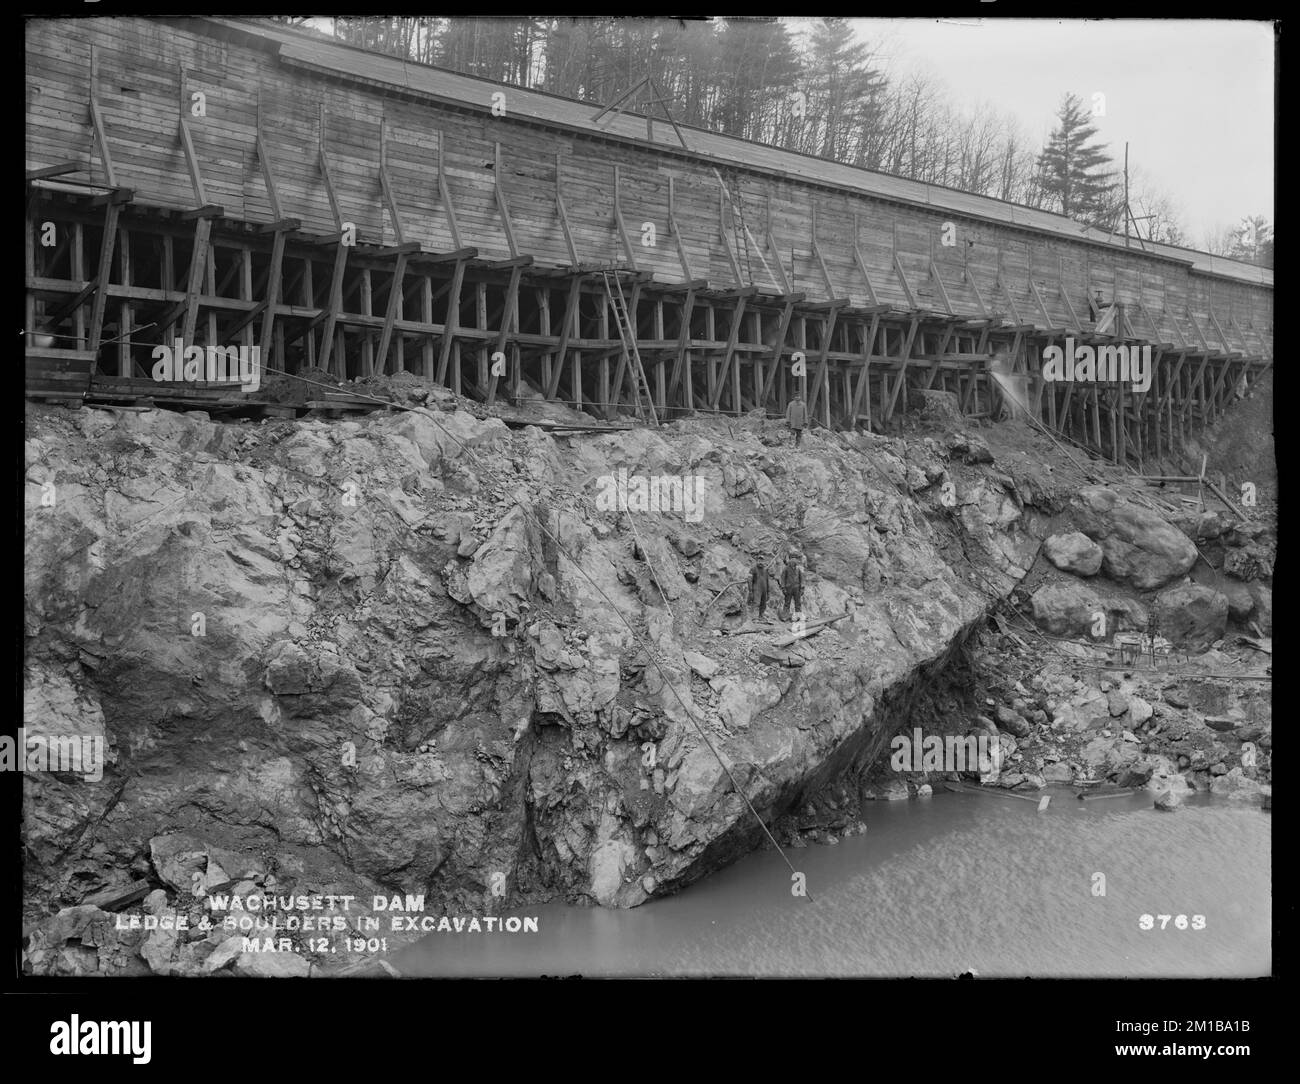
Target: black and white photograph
[{"x": 626, "y": 496}]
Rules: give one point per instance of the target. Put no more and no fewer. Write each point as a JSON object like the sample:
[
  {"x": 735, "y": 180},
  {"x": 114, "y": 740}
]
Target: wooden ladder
[{"x": 627, "y": 333}]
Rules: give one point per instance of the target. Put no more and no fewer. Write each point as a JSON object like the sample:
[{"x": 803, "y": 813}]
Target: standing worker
[
  {"x": 792, "y": 583},
  {"x": 796, "y": 416},
  {"x": 758, "y": 586}
]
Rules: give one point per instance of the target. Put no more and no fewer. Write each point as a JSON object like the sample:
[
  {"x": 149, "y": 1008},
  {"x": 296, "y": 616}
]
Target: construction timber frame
[{"x": 242, "y": 183}]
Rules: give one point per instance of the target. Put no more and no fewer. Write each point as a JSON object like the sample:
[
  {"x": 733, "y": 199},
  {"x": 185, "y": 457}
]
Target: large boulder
[
  {"x": 1168, "y": 801},
  {"x": 1074, "y": 552},
  {"x": 1012, "y": 722},
  {"x": 1138, "y": 546},
  {"x": 1065, "y": 609},
  {"x": 1192, "y": 616},
  {"x": 1240, "y": 600},
  {"x": 1263, "y": 611},
  {"x": 1235, "y": 784},
  {"x": 1074, "y": 609},
  {"x": 938, "y": 407}
]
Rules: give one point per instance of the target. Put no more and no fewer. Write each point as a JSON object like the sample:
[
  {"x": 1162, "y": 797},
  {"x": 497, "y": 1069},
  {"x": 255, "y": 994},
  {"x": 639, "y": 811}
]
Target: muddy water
[{"x": 935, "y": 887}]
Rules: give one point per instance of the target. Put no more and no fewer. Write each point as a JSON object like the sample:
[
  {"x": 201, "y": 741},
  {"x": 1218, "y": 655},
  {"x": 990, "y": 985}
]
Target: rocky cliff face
[
  {"x": 427, "y": 653},
  {"x": 364, "y": 651}
]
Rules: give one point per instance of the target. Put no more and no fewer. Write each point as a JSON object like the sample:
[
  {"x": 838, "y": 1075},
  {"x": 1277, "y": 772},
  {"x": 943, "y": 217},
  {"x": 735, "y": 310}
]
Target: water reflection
[{"x": 934, "y": 888}]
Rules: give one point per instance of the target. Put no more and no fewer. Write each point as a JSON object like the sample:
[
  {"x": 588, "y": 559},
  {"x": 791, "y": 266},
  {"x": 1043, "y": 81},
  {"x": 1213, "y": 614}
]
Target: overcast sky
[{"x": 1194, "y": 98}]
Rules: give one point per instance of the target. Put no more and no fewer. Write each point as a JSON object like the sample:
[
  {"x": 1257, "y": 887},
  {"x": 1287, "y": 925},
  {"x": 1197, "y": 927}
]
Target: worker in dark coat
[
  {"x": 792, "y": 583},
  {"x": 796, "y": 416},
  {"x": 759, "y": 582}
]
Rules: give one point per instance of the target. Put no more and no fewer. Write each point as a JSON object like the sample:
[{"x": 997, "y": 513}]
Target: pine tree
[
  {"x": 755, "y": 67},
  {"x": 844, "y": 90},
  {"x": 1072, "y": 170},
  {"x": 1253, "y": 241}
]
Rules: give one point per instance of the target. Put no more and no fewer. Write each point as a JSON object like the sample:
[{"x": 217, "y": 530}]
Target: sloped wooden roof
[{"x": 388, "y": 74}]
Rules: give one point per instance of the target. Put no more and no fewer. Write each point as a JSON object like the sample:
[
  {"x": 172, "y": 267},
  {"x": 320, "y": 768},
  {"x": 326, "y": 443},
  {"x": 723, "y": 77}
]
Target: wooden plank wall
[{"x": 140, "y": 93}]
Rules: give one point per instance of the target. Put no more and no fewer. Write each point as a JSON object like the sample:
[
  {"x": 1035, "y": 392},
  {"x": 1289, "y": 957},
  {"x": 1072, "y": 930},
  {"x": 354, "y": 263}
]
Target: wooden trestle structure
[{"x": 239, "y": 183}]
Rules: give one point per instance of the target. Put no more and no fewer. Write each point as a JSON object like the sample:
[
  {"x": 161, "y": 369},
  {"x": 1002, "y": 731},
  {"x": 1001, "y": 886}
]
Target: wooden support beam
[
  {"x": 615, "y": 107},
  {"x": 1075, "y": 323},
  {"x": 563, "y": 214},
  {"x": 426, "y": 259},
  {"x": 943, "y": 290},
  {"x": 729, "y": 352},
  {"x": 778, "y": 350},
  {"x": 502, "y": 205},
  {"x": 393, "y": 310},
  {"x": 861, "y": 394},
  {"x": 621, "y": 371},
  {"x": 481, "y": 350},
  {"x": 268, "y": 173},
  {"x": 566, "y": 333},
  {"x": 1125, "y": 325},
  {"x": 1200, "y": 336},
  {"x": 1218, "y": 330},
  {"x": 1180, "y": 338},
  {"x": 542, "y": 299},
  {"x": 323, "y": 161},
  {"x": 62, "y": 169},
  {"x": 821, "y": 261},
  {"x": 198, "y": 264},
  {"x": 367, "y": 309},
  {"x": 939, "y": 357},
  {"x": 1171, "y": 384},
  {"x": 726, "y": 241},
  {"x": 676, "y": 231},
  {"x": 1247, "y": 345},
  {"x": 683, "y": 341},
  {"x": 861, "y": 263},
  {"x": 125, "y": 311},
  {"x": 55, "y": 313},
  {"x": 1196, "y": 387},
  {"x": 102, "y": 276},
  {"x": 508, "y": 313},
  {"x": 902, "y": 278},
  {"x": 619, "y": 225},
  {"x": 782, "y": 279},
  {"x": 333, "y": 308},
  {"x": 100, "y": 130},
  {"x": 308, "y": 297},
  {"x": 1155, "y": 331},
  {"x": 1217, "y": 387},
  {"x": 1006, "y": 292},
  {"x": 191, "y": 158},
  {"x": 390, "y": 199},
  {"x": 444, "y": 193},
  {"x": 1042, "y": 307},
  {"x": 452, "y": 323},
  {"x": 602, "y": 366},
  {"x": 208, "y": 210},
  {"x": 1119, "y": 412},
  {"x": 273, "y": 280},
  {"x": 969, "y": 279},
  {"x": 902, "y": 372},
  {"x": 819, "y": 380}
]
